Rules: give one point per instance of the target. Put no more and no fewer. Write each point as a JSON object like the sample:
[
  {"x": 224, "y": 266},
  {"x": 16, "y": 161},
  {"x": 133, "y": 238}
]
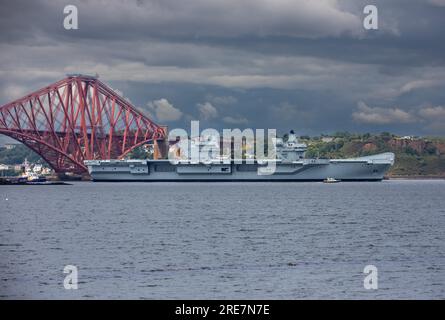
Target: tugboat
[{"x": 34, "y": 177}]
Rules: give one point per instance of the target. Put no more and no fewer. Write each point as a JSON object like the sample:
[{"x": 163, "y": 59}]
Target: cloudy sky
[{"x": 307, "y": 65}]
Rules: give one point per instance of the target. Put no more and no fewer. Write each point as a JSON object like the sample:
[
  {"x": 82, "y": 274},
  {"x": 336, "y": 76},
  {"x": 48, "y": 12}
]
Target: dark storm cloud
[
  {"x": 306, "y": 64},
  {"x": 188, "y": 19}
]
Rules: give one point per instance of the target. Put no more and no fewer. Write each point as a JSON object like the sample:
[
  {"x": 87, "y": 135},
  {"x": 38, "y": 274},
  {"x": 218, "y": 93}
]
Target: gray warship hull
[{"x": 370, "y": 168}]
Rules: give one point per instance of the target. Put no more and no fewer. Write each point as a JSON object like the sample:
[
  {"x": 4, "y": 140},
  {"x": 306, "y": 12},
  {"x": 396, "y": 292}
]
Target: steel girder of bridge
[{"x": 78, "y": 118}]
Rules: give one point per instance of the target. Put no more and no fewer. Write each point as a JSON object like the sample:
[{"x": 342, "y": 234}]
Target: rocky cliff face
[{"x": 418, "y": 146}]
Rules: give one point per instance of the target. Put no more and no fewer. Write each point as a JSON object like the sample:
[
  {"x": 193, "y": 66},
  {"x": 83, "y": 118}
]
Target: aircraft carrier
[{"x": 290, "y": 164}]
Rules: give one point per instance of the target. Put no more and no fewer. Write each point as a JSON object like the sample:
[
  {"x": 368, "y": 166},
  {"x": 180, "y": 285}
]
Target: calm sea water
[{"x": 223, "y": 240}]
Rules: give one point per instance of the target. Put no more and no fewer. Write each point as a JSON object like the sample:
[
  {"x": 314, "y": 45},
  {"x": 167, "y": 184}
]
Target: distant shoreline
[{"x": 415, "y": 178}]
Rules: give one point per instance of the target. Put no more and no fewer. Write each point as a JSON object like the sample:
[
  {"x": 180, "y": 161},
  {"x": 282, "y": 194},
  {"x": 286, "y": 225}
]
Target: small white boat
[{"x": 331, "y": 180}]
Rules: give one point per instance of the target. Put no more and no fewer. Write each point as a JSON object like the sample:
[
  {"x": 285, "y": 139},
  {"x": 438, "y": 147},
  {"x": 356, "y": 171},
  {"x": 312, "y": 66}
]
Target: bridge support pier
[{"x": 161, "y": 145}]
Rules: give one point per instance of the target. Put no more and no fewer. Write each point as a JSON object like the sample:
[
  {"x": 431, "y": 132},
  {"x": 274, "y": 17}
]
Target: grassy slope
[
  {"x": 410, "y": 165},
  {"x": 18, "y": 155}
]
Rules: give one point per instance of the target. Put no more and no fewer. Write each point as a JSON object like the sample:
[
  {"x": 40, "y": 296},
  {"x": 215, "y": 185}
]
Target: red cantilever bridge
[{"x": 78, "y": 118}]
